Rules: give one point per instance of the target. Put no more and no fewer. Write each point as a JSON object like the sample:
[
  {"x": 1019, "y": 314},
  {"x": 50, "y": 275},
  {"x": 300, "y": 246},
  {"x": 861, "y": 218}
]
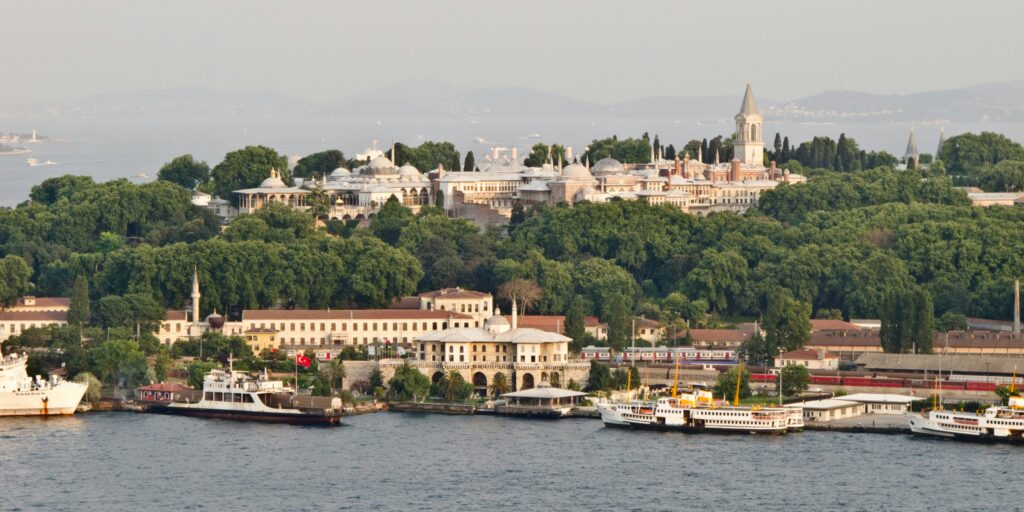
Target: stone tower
[
  {"x": 911, "y": 155},
  {"x": 749, "y": 144},
  {"x": 195, "y": 296}
]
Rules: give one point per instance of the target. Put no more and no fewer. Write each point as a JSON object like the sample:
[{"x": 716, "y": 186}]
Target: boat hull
[
  {"x": 261, "y": 417},
  {"x": 61, "y": 400},
  {"x": 687, "y": 429}
]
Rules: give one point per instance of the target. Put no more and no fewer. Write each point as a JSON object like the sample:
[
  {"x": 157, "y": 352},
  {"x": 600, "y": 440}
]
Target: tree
[
  {"x": 390, "y": 220},
  {"x": 575, "y": 327},
  {"x": 452, "y": 387},
  {"x": 968, "y": 152},
  {"x": 78, "y": 310},
  {"x": 247, "y": 168},
  {"x": 470, "y": 164},
  {"x": 795, "y": 379},
  {"x": 908, "y": 321},
  {"x": 14, "y": 280},
  {"x": 162, "y": 364},
  {"x": 787, "y": 321},
  {"x": 119, "y": 362},
  {"x": 319, "y": 202},
  {"x": 335, "y": 374},
  {"x": 726, "y": 385},
  {"x": 408, "y": 384},
  {"x": 757, "y": 351},
  {"x": 542, "y": 153},
  {"x": 197, "y": 370},
  {"x": 319, "y": 164},
  {"x": 93, "y": 386},
  {"x": 439, "y": 200},
  {"x": 951, "y": 321},
  {"x": 525, "y": 292},
  {"x": 185, "y": 171},
  {"x": 376, "y": 381},
  {"x": 500, "y": 384},
  {"x": 600, "y": 377},
  {"x": 1005, "y": 176}
]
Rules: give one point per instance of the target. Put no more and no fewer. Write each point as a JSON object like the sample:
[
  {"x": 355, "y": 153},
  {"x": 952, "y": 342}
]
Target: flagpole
[{"x": 296, "y": 360}]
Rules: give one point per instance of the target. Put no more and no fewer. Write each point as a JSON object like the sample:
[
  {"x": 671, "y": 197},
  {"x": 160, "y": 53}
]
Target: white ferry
[
  {"x": 681, "y": 415},
  {"x": 1004, "y": 423},
  {"x": 24, "y": 396},
  {"x": 237, "y": 396}
]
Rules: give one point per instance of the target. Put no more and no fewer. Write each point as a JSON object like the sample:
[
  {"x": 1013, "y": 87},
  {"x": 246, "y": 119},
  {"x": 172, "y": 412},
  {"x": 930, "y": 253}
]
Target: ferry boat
[
  {"x": 1003, "y": 423},
  {"x": 235, "y": 395},
  {"x": 682, "y": 415},
  {"x": 21, "y": 395}
]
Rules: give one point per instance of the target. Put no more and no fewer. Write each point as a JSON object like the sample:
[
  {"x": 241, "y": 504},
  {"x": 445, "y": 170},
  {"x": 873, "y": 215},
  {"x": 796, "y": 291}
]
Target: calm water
[
  {"x": 390, "y": 461},
  {"x": 111, "y": 149}
]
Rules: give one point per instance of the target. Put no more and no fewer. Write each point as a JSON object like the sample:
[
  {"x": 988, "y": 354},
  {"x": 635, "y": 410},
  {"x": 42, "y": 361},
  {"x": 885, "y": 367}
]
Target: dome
[
  {"x": 215, "y": 321},
  {"x": 273, "y": 182},
  {"x": 408, "y": 170},
  {"x": 576, "y": 171},
  {"x": 381, "y": 162},
  {"x": 340, "y": 172},
  {"x": 608, "y": 165},
  {"x": 497, "y": 323}
]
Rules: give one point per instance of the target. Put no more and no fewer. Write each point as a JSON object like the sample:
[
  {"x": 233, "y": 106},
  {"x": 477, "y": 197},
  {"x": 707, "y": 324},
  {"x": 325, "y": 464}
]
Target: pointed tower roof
[
  {"x": 748, "y": 107},
  {"x": 942, "y": 140},
  {"x": 911, "y": 146}
]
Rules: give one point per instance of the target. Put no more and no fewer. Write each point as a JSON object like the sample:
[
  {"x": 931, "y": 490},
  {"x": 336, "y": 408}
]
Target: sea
[
  {"x": 410, "y": 462},
  {"x": 133, "y": 148}
]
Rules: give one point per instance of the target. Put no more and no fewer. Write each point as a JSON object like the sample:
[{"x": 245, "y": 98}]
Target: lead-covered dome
[
  {"x": 608, "y": 165},
  {"x": 576, "y": 171}
]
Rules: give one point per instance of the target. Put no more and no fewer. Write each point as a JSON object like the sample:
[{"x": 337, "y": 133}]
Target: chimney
[
  {"x": 735, "y": 171},
  {"x": 1016, "y": 306},
  {"x": 771, "y": 174},
  {"x": 568, "y": 153}
]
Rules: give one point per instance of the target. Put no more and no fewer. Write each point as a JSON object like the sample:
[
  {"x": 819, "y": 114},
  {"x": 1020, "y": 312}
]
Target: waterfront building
[
  {"x": 526, "y": 356},
  {"x": 543, "y": 401},
  {"x": 719, "y": 339},
  {"x": 849, "y": 345},
  {"x": 883, "y": 403},
  {"x": 33, "y": 312},
  {"x": 829, "y": 409}
]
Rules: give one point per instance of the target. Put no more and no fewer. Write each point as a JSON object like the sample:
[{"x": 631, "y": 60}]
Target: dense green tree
[
  {"x": 319, "y": 202},
  {"x": 119, "y": 362},
  {"x": 197, "y": 370},
  {"x": 542, "y": 153},
  {"x": 600, "y": 377},
  {"x": 390, "y": 220},
  {"x": 951, "y": 321},
  {"x": 247, "y": 168},
  {"x": 907, "y": 321},
  {"x": 14, "y": 280},
  {"x": 318, "y": 165},
  {"x": 407, "y": 384},
  {"x": 185, "y": 171},
  {"x": 795, "y": 379},
  {"x": 787, "y": 321},
  {"x": 162, "y": 364},
  {"x": 452, "y": 387},
  {"x": 726, "y": 384},
  {"x": 575, "y": 324},
  {"x": 78, "y": 310},
  {"x": 427, "y": 156},
  {"x": 470, "y": 164},
  {"x": 758, "y": 351},
  {"x": 968, "y": 152},
  {"x": 1005, "y": 176},
  {"x": 627, "y": 151}
]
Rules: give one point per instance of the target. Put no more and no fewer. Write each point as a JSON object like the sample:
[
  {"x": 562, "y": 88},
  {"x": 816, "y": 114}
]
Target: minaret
[
  {"x": 195, "y": 295},
  {"x": 749, "y": 145},
  {"x": 393, "y": 156},
  {"x": 515, "y": 313},
  {"x": 942, "y": 140},
  {"x": 911, "y": 155}
]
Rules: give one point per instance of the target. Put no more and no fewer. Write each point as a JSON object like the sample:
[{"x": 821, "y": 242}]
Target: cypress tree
[
  {"x": 470, "y": 162},
  {"x": 778, "y": 147},
  {"x": 78, "y": 311}
]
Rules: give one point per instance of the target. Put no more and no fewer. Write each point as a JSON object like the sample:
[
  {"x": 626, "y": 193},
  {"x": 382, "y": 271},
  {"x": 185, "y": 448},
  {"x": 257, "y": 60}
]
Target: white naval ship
[{"x": 21, "y": 395}]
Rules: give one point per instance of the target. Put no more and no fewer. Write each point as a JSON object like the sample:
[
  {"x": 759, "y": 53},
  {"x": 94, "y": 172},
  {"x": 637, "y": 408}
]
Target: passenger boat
[
  {"x": 696, "y": 411},
  {"x": 1002, "y": 423},
  {"x": 235, "y": 395},
  {"x": 21, "y": 395}
]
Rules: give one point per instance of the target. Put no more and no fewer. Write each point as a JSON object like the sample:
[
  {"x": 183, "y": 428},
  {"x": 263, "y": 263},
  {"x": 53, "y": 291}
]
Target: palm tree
[
  {"x": 336, "y": 374},
  {"x": 500, "y": 384}
]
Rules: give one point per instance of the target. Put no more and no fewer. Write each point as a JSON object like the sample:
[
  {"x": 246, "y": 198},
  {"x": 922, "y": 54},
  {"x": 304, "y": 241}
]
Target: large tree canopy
[{"x": 247, "y": 168}]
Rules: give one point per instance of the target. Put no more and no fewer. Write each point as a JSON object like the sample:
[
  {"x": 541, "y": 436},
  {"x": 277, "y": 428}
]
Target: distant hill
[{"x": 996, "y": 102}]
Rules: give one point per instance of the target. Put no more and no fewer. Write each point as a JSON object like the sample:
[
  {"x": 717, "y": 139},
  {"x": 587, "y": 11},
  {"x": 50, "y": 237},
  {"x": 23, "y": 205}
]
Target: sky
[{"x": 598, "y": 50}]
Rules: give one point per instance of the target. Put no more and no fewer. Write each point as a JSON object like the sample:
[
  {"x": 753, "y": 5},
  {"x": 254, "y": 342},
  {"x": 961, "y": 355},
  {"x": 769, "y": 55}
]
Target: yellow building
[{"x": 259, "y": 339}]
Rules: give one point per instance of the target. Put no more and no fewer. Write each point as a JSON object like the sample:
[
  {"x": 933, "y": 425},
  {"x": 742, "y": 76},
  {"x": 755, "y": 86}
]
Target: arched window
[{"x": 753, "y": 132}]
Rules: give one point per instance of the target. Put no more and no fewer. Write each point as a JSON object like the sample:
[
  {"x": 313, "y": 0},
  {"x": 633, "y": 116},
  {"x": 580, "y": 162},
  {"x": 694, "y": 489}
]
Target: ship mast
[
  {"x": 675, "y": 380},
  {"x": 739, "y": 379}
]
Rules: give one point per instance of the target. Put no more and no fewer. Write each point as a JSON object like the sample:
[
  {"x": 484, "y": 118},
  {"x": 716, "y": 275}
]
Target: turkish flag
[{"x": 302, "y": 360}]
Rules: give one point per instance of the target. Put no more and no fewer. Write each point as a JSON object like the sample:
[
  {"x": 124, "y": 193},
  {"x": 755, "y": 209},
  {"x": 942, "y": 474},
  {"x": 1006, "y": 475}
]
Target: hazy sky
[{"x": 593, "y": 50}]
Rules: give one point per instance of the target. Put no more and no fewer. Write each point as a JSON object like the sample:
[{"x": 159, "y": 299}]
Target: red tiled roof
[
  {"x": 808, "y": 355},
  {"x": 832, "y": 325},
  {"x": 47, "y": 302},
  {"x": 455, "y": 293},
  {"x": 406, "y": 303},
  {"x": 164, "y": 386},
  {"x": 177, "y": 314},
  {"x": 34, "y": 316},
  {"x": 349, "y": 314},
  {"x": 719, "y": 335}
]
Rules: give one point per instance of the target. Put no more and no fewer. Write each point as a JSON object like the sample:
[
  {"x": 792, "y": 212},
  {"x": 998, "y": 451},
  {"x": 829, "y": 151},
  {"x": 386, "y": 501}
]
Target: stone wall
[{"x": 484, "y": 373}]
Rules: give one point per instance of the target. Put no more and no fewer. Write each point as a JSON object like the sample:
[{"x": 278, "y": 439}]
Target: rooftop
[
  {"x": 880, "y": 398},
  {"x": 544, "y": 393},
  {"x": 929, "y": 362}
]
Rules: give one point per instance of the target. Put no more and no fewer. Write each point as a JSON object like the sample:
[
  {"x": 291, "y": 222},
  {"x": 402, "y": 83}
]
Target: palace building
[{"x": 488, "y": 196}]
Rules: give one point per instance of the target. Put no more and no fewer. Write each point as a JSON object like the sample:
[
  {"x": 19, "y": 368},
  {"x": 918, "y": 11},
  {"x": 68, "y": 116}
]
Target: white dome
[
  {"x": 340, "y": 172},
  {"x": 381, "y": 162},
  {"x": 273, "y": 182},
  {"x": 575, "y": 171},
  {"x": 607, "y": 166},
  {"x": 408, "y": 170},
  {"x": 497, "y": 324}
]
